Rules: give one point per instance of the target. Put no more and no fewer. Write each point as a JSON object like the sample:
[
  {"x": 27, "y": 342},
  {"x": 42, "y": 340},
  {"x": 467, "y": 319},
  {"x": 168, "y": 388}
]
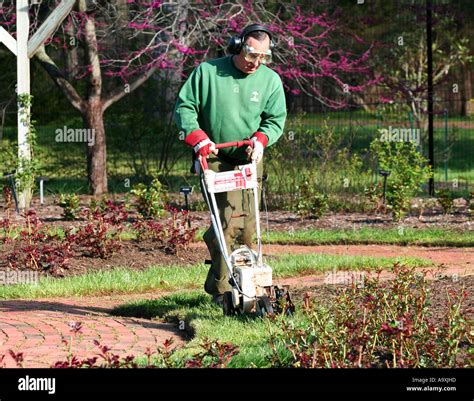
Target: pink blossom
[{"x": 384, "y": 99}]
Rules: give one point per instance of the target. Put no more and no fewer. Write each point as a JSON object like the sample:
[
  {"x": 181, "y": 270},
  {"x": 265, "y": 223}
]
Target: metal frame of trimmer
[{"x": 249, "y": 276}]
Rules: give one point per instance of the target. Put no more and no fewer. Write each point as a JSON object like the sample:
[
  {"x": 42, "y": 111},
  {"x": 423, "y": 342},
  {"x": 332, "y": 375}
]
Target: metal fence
[{"x": 453, "y": 136}]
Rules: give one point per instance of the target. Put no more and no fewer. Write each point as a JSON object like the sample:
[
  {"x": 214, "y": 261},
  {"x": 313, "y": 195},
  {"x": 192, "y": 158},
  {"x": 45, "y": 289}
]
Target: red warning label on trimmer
[{"x": 244, "y": 178}]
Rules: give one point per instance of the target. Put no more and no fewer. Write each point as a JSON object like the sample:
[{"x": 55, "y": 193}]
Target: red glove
[
  {"x": 261, "y": 137},
  {"x": 260, "y": 140},
  {"x": 201, "y": 143}
]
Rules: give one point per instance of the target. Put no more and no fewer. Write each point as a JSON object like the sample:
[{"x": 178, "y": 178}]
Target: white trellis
[{"x": 24, "y": 49}]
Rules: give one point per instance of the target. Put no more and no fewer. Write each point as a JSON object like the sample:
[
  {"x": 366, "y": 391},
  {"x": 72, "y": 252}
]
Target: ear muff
[{"x": 236, "y": 42}]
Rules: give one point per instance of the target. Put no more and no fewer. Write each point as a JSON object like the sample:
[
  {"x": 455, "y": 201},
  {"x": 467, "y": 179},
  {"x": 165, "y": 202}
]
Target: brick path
[{"x": 36, "y": 328}]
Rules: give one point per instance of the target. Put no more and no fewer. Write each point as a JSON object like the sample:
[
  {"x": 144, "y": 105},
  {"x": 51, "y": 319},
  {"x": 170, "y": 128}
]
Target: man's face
[{"x": 249, "y": 67}]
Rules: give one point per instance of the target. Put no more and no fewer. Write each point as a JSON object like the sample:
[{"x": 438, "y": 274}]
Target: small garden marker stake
[{"x": 186, "y": 191}]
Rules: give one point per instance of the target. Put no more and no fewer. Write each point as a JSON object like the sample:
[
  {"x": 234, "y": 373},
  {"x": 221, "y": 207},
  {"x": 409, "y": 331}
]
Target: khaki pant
[{"x": 237, "y": 214}]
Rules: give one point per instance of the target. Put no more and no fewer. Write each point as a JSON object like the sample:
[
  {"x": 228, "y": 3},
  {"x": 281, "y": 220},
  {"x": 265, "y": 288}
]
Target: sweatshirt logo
[{"x": 254, "y": 97}]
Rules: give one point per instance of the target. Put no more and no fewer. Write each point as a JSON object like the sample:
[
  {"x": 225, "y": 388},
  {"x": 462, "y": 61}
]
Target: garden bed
[
  {"x": 110, "y": 235},
  {"x": 282, "y": 220},
  {"x": 325, "y": 295},
  {"x": 133, "y": 255}
]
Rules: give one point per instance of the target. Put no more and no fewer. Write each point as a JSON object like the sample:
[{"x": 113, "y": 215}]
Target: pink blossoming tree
[{"x": 114, "y": 47}]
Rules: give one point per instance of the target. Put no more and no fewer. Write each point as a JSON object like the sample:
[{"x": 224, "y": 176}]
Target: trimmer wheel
[
  {"x": 228, "y": 304},
  {"x": 264, "y": 306}
]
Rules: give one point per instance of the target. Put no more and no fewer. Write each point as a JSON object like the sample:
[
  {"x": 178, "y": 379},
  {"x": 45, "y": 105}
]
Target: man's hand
[
  {"x": 201, "y": 143},
  {"x": 260, "y": 140},
  {"x": 205, "y": 148}
]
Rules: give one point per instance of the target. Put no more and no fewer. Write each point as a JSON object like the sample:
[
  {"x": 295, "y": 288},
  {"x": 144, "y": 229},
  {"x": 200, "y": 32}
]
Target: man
[{"x": 225, "y": 100}]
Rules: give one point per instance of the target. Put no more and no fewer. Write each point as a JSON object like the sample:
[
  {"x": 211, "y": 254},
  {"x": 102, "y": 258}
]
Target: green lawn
[
  {"x": 395, "y": 236},
  {"x": 206, "y": 321},
  {"x": 364, "y": 235},
  {"x": 170, "y": 278},
  {"x": 65, "y": 163}
]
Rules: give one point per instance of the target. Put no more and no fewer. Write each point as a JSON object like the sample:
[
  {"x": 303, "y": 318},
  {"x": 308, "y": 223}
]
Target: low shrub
[
  {"x": 70, "y": 206},
  {"x": 445, "y": 199},
  {"x": 348, "y": 204},
  {"x": 408, "y": 171},
  {"x": 310, "y": 202},
  {"x": 172, "y": 236},
  {"x": 178, "y": 234},
  {"x": 151, "y": 200},
  {"x": 6, "y": 229},
  {"x": 111, "y": 211},
  {"x": 378, "y": 324},
  {"x": 34, "y": 248},
  {"x": 8, "y": 196},
  {"x": 97, "y": 238},
  {"x": 149, "y": 230},
  {"x": 52, "y": 257},
  {"x": 374, "y": 194}
]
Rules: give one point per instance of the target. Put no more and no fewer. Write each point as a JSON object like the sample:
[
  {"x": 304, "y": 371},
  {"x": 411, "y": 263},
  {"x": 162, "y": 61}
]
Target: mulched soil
[
  {"x": 283, "y": 220},
  {"x": 133, "y": 255},
  {"x": 140, "y": 255},
  {"x": 326, "y": 293}
]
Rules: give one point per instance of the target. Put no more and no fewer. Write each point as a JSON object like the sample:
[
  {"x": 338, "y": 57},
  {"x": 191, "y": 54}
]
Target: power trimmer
[{"x": 251, "y": 279}]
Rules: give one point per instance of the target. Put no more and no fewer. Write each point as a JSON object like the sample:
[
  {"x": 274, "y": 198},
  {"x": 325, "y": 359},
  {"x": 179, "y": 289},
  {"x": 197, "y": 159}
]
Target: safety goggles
[{"x": 252, "y": 56}]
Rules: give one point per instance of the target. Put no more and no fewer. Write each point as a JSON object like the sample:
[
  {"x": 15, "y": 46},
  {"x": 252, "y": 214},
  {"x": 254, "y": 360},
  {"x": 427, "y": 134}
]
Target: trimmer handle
[{"x": 238, "y": 144}]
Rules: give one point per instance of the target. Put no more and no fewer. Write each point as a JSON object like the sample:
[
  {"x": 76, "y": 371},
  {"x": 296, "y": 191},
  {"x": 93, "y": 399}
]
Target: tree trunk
[
  {"x": 467, "y": 90},
  {"x": 71, "y": 58},
  {"x": 96, "y": 150}
]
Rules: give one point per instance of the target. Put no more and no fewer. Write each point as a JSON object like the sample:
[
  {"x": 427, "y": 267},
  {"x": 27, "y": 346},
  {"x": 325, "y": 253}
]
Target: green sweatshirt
[{"x": 229, "y": 105}]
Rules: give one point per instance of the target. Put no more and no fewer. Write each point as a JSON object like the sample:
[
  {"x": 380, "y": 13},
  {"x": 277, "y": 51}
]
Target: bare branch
[
  {"x": 92, "y": 52},
  {"x": 119, "y": 93},
  {"x": 58, "y": 77}
]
